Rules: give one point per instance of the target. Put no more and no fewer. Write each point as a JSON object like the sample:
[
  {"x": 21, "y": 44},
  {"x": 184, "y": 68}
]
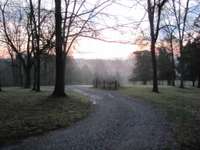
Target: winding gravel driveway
[{"x": 117, "y": 123}]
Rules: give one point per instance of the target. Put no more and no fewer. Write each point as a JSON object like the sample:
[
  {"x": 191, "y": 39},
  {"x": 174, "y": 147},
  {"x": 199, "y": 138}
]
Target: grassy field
[
  {"x": 182, "y": 107},
  {"x": 24, "y": 112}
]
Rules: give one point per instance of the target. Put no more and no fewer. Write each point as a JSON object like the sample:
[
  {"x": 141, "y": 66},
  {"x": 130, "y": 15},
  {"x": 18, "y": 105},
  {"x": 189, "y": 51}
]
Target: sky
[
  {"x": 127, "y": 12},
  {"x": 132, "y": 18},
  {"x": 96, "y": 49},
  {"x": 124, "y": 13}
]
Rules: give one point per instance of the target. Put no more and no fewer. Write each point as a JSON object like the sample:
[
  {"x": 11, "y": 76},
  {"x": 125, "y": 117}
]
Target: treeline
[
  {"x": 12, "y": 72},
  {"x": 174, "y": 19},
  {"x": 169, "y": 66}
]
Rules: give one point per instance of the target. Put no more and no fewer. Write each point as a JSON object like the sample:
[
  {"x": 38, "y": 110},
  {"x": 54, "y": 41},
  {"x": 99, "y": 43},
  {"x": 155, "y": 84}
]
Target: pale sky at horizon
[
  {"x": 95, "y": 49},
  {"x": 128, "y": 13},
  {"x": 119, "y": 14}
]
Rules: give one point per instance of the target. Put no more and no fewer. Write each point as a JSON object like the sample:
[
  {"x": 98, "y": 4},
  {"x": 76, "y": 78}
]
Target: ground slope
[{"x": 116, "y": 123}]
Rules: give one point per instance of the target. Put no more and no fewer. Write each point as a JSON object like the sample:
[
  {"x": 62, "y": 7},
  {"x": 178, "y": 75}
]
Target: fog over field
[{"x": 109, "y": 68}]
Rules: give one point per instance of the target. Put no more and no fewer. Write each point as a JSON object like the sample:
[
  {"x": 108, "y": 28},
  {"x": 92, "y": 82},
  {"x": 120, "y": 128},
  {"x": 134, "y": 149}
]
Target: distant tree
[
  {"x": 42, "y": 34},
  {"x": 101, "y": 70},
  {"x": 70, "y": 70},
  {"x": 16, "y": 34},
  {"x": 190, "y": 57},
  {"x": 165, "y": 69},
  {"x": 143, "y": 67},
  {"x": 188, "y": 63},
  {"x": 0, "y": 83},
  {"x": 180, "y": 11},
  {"x": 86, "y": 74},
  {"x": 47, "y": 69},
  {"x": 169, "y": 37},
  {"x": 197, "y": 41},
  {"x": 76, "y": 76}
]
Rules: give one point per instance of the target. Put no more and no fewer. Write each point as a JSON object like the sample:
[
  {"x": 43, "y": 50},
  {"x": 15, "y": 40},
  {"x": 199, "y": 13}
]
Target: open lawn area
[
  {"x": 182, "y": 107},
  {"x": 24, "y": 112}
]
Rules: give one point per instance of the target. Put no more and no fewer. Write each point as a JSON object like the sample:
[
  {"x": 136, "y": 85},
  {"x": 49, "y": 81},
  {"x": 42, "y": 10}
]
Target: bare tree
[
  {"x": 75, "y": 21},
  {"x": 16, "y": 34},
  {"x": 180, "y": 11},
  {"x": 40, "y": 44},
  {"x": 169, "y": 30},
  {"x": 154, "y": 9},
  {"x": 59, "y": 85}
]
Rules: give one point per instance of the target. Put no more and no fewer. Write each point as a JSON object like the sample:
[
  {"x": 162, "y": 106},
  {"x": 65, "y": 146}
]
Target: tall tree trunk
[
  {"x": 34, "y": 76},
  {"x": 154, "y": 65},
  {"x": 173, "y": 62},
  {"x": 38, "y": 74},
  {"x": 38, "y": 49},
  {"x": 59, "y": 89},
  {"x": 181, "y": 65}
]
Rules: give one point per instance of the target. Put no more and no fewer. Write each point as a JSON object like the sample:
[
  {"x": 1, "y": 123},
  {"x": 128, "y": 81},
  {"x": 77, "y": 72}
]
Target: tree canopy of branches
[
  {"x": 180, "y": 11},
  {"x": 16, "y": 34},
  {"x": 22, "y": 35},
  {"x": 75, "y": 21},
  {"x": 154, "y": 9}
]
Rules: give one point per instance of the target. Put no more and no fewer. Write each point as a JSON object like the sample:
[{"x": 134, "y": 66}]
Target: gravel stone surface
[{"x": 116, "y": 123}]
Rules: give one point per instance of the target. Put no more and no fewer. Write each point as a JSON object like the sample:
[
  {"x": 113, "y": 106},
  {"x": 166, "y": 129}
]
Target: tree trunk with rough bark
[
  {"x": 154, "y": 65},
  {"x": 34, "y": 76},
  {"x": 173, "y": 62},
  {"x": 59, "y": 90},
  {"x": 37, "y": 87},
  {"x": 38, "y": 49},
  {"x": 181, "y": 66}
]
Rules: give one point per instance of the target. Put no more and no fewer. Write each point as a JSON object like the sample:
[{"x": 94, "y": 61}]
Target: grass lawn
[
  {"x": 182, "y": 107},
  {"x": 24, "y": 112}
]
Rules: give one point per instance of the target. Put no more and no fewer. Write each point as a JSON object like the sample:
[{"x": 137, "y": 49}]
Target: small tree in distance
[
  {"x": 165, "y": 69},
  {"x": 143, "y": 67}
]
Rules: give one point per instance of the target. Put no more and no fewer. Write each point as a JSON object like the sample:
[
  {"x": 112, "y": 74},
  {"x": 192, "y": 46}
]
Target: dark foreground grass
[
  {"x": 182, "y": 107},
  {"x": 24, "y": 113}
]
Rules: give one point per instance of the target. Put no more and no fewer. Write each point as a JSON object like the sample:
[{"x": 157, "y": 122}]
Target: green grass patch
[
  {"x": 24, "y": 113},
  {"x": 182, "y": 107}
]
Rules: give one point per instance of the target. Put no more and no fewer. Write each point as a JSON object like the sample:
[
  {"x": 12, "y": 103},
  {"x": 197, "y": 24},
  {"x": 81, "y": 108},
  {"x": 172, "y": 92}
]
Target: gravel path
[{"x": 117, "y": 123}]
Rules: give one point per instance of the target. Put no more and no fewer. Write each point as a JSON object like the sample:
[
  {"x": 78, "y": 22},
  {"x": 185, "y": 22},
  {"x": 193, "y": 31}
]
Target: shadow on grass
[{"x": 25, "y": 113}]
